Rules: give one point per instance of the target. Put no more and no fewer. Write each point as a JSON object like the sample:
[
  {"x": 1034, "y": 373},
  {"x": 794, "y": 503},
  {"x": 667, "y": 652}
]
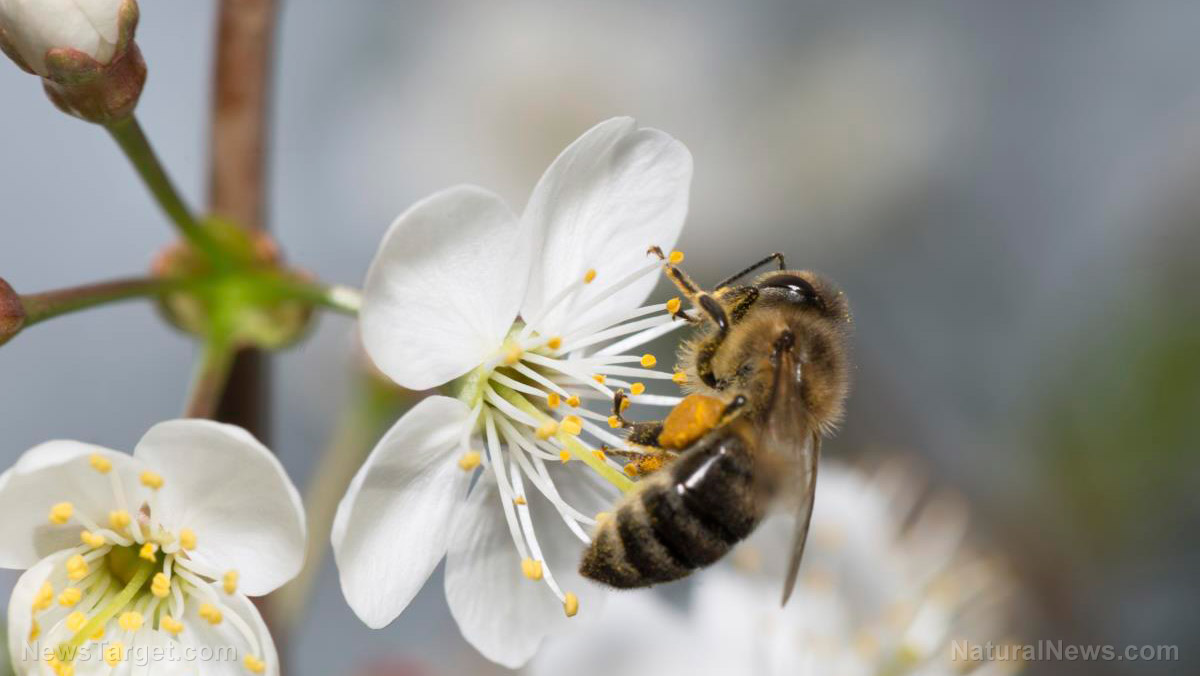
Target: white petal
[
  {"x": 143, "y": 647},
  {"x": 499, "y": 611},
  {"x": 224, "y": 636},
  {"x": 36, "y": 26},
  {"x": 609, "y": 196},
  {"x": 20, "y": 610},
  {"x": 228, "y": 488},
  {"x": 444, "y": 288},
  {"x": 592, "y": 653},
  {"x": 55, "y": 472},
  {"x": 392, "y": 526}
]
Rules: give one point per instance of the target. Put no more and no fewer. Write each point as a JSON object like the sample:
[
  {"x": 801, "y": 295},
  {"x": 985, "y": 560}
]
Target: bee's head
[{"x": 804, "y": 289}]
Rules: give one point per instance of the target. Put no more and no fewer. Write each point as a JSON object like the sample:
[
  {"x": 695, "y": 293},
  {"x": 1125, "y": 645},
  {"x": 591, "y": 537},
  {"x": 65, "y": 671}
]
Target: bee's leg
[
  {"x": 732, "y": 410},
  {"x": 643, "y": 460},
  {"x": 737, "y": 299},
  {"x": 620, "y": 403},
  {"x": 698, "y": 297},
  {"x": 645, "y": 434},
  {"x": 777, "y": 257}
]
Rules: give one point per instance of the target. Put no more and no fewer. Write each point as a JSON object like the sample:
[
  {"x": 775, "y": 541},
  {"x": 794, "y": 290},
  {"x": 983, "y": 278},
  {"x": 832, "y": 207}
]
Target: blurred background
[{"x": 1007, "y": 191}]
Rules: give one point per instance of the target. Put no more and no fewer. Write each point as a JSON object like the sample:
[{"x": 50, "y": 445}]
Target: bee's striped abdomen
[{"x": 686, "y": 517}]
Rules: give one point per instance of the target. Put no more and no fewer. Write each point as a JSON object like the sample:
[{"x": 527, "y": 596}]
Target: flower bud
[
  {"x": 82, "y": 49},
  {"x": 12, "y": 312},
  {"x": 252, "y": 318}
]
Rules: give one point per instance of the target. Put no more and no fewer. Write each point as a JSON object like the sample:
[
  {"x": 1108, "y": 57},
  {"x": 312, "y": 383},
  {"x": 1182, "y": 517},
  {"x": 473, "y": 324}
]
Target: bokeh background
[{"x": 1008, "y": 192}]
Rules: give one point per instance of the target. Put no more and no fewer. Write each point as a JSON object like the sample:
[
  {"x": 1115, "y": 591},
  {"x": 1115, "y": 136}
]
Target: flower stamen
[{"x": 61, "y": 513}]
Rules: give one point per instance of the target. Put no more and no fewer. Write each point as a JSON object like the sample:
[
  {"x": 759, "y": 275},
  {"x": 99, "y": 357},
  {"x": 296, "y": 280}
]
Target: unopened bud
[
  {"x": 12, "y": 312},
  {"x": 83, "y": 50}
]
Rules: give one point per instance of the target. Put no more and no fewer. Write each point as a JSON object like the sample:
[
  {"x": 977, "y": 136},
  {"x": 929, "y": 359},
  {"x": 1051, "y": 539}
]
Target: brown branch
[
  {"x": 237, "y": 189},
  {"x": 245, "y": 43}
]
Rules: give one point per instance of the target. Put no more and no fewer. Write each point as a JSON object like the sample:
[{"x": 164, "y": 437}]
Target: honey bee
[{"x": 768, "y": 374}]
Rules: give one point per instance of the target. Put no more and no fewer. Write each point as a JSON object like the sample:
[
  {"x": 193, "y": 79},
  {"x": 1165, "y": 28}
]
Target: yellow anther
[
  {"x": 209, "y": 612},
  {"x": 679, "y": 378},
  {"x": 589, "y": 276},
  {"x": 600, "y": 455},
  {"x": 564, "y": 456},
  {"x": 572, "y": 425},
  {"x": 637, "y": 388},
  {"x": 161, "y": 585},
  {"x": 119, "y": 519},
  {"x": 573, "y": 401},
  {"x": 35, "y": 630},
  {"x": 254, "y": 665},
  {"x": 601, "y": 517},
  {"x": 614, "y": 422},
  {"x": 91, "y": 539},
  {"x": 44, "y": 597},
  {"x": 519, "y": 500},
  {"x": 230, "y": 581},
  {"x": 61, "y": 668},
  {"x": 546, "y": 430},
  {"x": 69, "y": 597},
  {"x": 553, "y": 400},
  {"x": 100, "y": 463},
  {"x": 532, "y": 569},
  {"x": 147, "y": 551},
  {"x": 631, "y": 469},
  {"x": 98, "y": 635},
  {"x": 648, "y": 360},
  {"x": 673, "y": 305},
  {"x": 170, "y": 624},
  {"x": 624, "y": 404},
  {"x": 61, "y": 513},
  {"x": 152, "y": 480},
  {"x": 77, "y": 567},
  {"x": 571, "y": 604},
  {"x": 600, "y": 378},
  {"x": 469, "y": 460},
  {"x": 76, "y": 620},
  {"x": 554, "y": 343},
  {"x": 114, "y": 653},
  {"x": 130, "y": 620},
  {"x": 187, "y": 538},
  {"x": 512, "y": 354},
  {"x": 675, "y": 258}
]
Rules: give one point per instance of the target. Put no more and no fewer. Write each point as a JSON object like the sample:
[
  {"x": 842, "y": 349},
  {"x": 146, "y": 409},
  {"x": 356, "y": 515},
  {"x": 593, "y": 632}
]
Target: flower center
[
  {"x": 129, "y": 573},
  {"x": 530, "y": 405}
]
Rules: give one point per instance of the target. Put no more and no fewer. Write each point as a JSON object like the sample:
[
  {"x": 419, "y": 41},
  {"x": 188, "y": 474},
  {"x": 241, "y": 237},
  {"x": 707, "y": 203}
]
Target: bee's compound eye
[{"x": 795, "y": 285}]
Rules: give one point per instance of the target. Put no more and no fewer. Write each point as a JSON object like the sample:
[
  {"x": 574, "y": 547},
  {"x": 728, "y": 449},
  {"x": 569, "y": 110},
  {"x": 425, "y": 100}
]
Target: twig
[{"x": 245, "y": 39}]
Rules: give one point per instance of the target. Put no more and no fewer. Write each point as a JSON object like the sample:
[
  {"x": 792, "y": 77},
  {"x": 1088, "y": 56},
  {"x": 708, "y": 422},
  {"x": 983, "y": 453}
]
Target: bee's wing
[
  {"x": 788, "y": 437},
  {"x": 804, "y": 508}
]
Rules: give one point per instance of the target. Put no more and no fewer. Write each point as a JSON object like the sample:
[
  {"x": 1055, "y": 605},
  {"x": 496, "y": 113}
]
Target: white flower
[
  {"x": 886, "y": 586},
  {"x": 148, "y": 556},
  {"x": 522, "y": 314},
  {"x": 34, "y": 27}
]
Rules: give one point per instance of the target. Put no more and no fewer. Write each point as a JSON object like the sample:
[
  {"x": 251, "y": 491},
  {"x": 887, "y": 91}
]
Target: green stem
[
  {"x": 66, "y": 651},
  {"x": 211, "y": 376},
  {"x": 42, "y": 306},
  {"x": 342, "y": 299},
  {"x": 577, "y": 449},
  {"x": 129, "y": 136}
]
